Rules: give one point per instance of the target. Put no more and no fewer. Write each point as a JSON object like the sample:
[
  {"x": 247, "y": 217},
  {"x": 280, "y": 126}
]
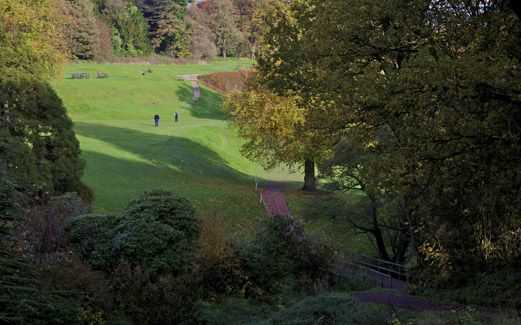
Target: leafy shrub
[
  {"x": 149, "y": 254},
  {"x": 218, "y": 262},
  {"x": 159, "y": 232},
  {"x": 281, "y": 250},
  {"x": 24, "y": 301},
  {"x": 331, "y": 308},
  {"x": 92, "y": 236},
  {"x": 233, "y": 311},
  {"x": 37, "y": 142},
  {"x": 11, "y": 203},
  {"x": 75, "y": 276},
  {"x": 41, "y": 234},
  {"x": 499, "y": 289},
  {"x": 150, "y": 299}
]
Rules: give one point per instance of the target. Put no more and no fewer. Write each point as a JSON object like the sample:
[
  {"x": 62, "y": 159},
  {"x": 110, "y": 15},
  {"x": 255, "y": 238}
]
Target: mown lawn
[{"x": 198, "y": 157}]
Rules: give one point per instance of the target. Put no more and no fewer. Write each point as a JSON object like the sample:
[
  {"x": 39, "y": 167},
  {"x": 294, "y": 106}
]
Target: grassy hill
[{"x": 198, "y": 157}]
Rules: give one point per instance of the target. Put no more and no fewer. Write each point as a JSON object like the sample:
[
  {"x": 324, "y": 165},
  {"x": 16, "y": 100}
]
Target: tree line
[
  {"x": 101, "y": 29},
  {"x": 414, "y": 103}
]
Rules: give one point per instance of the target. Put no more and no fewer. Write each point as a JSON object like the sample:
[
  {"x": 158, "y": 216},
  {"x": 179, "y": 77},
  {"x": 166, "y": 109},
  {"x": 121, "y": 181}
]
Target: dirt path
[
  {"x": 275, "y": 204},
  {"x": 273, "y": 200},
  {"x": 196, "y": 89}
]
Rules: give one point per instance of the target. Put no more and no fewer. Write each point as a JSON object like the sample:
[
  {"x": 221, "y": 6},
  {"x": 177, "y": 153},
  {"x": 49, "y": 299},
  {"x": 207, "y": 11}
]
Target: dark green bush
[
  {"x": 148, "y": 253},
  {"x": 12, "y": 202},
  {"x": 331, "y": 308},
  {"x": 92, "y": 235},
  {"x": 152, "y": 299},
  {"x": 23, "y": 300},
  {"x": 37, "y": 143},
  {"x": 281, "y": 250},
  {"x": 233, "y": 311},
  {"x": 223, "y": 277},
  {"x": 158, "y": 232},
  {"x": 218, "y": 262},
  {"x": 500, "y": 289}
]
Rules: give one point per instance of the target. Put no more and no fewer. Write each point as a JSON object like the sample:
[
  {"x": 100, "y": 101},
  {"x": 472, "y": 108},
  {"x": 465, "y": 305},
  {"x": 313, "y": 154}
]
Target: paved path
[
  {"x": 274, "y": 201},
  {"x": 275, "y": 204},
  {"x": 196, "y": 89}
]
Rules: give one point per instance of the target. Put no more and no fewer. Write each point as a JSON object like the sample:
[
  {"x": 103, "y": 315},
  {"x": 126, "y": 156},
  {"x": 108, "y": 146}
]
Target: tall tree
[
  {"x": 39, "y": 154},
  {"x": 81, "y": 30},
  {"x": 279, "y": 71},
  {"x": 202, "y": 45},
  {"x": 31, "y": 39},
  {"x": 130, "y": 34},
  {"x": 275, "y": 130},
  {"x": 447, "y": 133},
  {"x": 223, "y": 25},
  {"x": 166, "y": 24}
]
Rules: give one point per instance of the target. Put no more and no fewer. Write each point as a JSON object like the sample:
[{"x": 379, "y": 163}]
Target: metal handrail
[{"x": 388, "y": 269}]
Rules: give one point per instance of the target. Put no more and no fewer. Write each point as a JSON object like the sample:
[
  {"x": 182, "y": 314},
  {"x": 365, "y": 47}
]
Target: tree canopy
[{"x": 421, "y": 107}]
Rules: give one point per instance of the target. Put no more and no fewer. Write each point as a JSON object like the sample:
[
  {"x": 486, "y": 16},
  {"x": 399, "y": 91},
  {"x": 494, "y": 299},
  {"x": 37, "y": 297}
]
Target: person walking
[
  {"x": 176, "y": 117},
  {"x": 156, "y": 120}
]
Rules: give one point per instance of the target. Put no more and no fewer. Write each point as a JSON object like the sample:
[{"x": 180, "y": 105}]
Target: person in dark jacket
[{"x": 156, "y": 120}]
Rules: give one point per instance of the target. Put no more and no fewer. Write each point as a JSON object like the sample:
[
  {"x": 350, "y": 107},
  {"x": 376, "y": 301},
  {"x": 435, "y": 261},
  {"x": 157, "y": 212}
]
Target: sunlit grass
[{"x": 198, "y": 157}]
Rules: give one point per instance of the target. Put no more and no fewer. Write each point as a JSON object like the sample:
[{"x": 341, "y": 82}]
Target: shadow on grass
[
  {"x": 209, "y": 105},
  {"x": 328, "y": 215},
  {"x": 178, "y": 154},
  {"x": 116, "y": 181}
]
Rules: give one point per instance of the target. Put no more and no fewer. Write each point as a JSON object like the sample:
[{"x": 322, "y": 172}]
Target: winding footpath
[{"x": 275, "y": 204}]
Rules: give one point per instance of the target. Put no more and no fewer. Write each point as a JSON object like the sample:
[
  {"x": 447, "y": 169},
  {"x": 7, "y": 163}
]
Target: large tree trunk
[
  {"x": 404, "y": 241},
  {"x": 377, "y": 232},
  {"x": 310, "y": 181}
]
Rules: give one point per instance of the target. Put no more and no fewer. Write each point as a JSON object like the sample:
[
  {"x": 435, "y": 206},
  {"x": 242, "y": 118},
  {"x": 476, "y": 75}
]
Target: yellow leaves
[
  {"x": 272, "y": 124},
  {"x": 32, "y": 40},
  {"x": 372, "y": 145}
]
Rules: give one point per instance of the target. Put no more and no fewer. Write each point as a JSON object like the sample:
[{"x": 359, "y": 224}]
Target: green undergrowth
[
  {"x": 326, "y": 308},
  {"x": 493, "y": 290}
]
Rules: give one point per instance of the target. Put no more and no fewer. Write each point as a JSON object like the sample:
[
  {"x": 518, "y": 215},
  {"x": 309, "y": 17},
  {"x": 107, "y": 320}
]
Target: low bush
[
  {"x": 148, "y": 253},
  {"x": 218, "y": 262},
  {"x": 12, "y": 202},
  {"x": 24, "y": 300},
  {"x": 75, "y": 276},
  {"x": 41, "y": 233},
  {"x": 92, "y": 234},
  {"x": 499, "y": 289},
  {"x": 330, "y": 308},
  {"x": 158, "y": 232},
  {"x": 281, "y": 250},
  {"x": 233, "y": 311},
  {"x": 152, "y": 299}
]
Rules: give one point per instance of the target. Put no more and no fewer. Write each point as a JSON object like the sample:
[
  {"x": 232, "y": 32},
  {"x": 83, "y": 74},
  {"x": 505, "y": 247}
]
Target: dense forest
[
  {"x": 410, "y": 109},
  {"x": 107, "y": 29}
]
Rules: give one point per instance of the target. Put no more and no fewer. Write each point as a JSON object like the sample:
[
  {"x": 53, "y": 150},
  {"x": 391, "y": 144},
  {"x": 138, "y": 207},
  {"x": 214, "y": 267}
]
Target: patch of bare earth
[{"x": 225, "y": 82}]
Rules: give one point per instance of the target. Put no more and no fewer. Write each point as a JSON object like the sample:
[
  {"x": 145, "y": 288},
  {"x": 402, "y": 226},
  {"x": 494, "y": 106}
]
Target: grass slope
[{"x": 198, "y": 157}]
